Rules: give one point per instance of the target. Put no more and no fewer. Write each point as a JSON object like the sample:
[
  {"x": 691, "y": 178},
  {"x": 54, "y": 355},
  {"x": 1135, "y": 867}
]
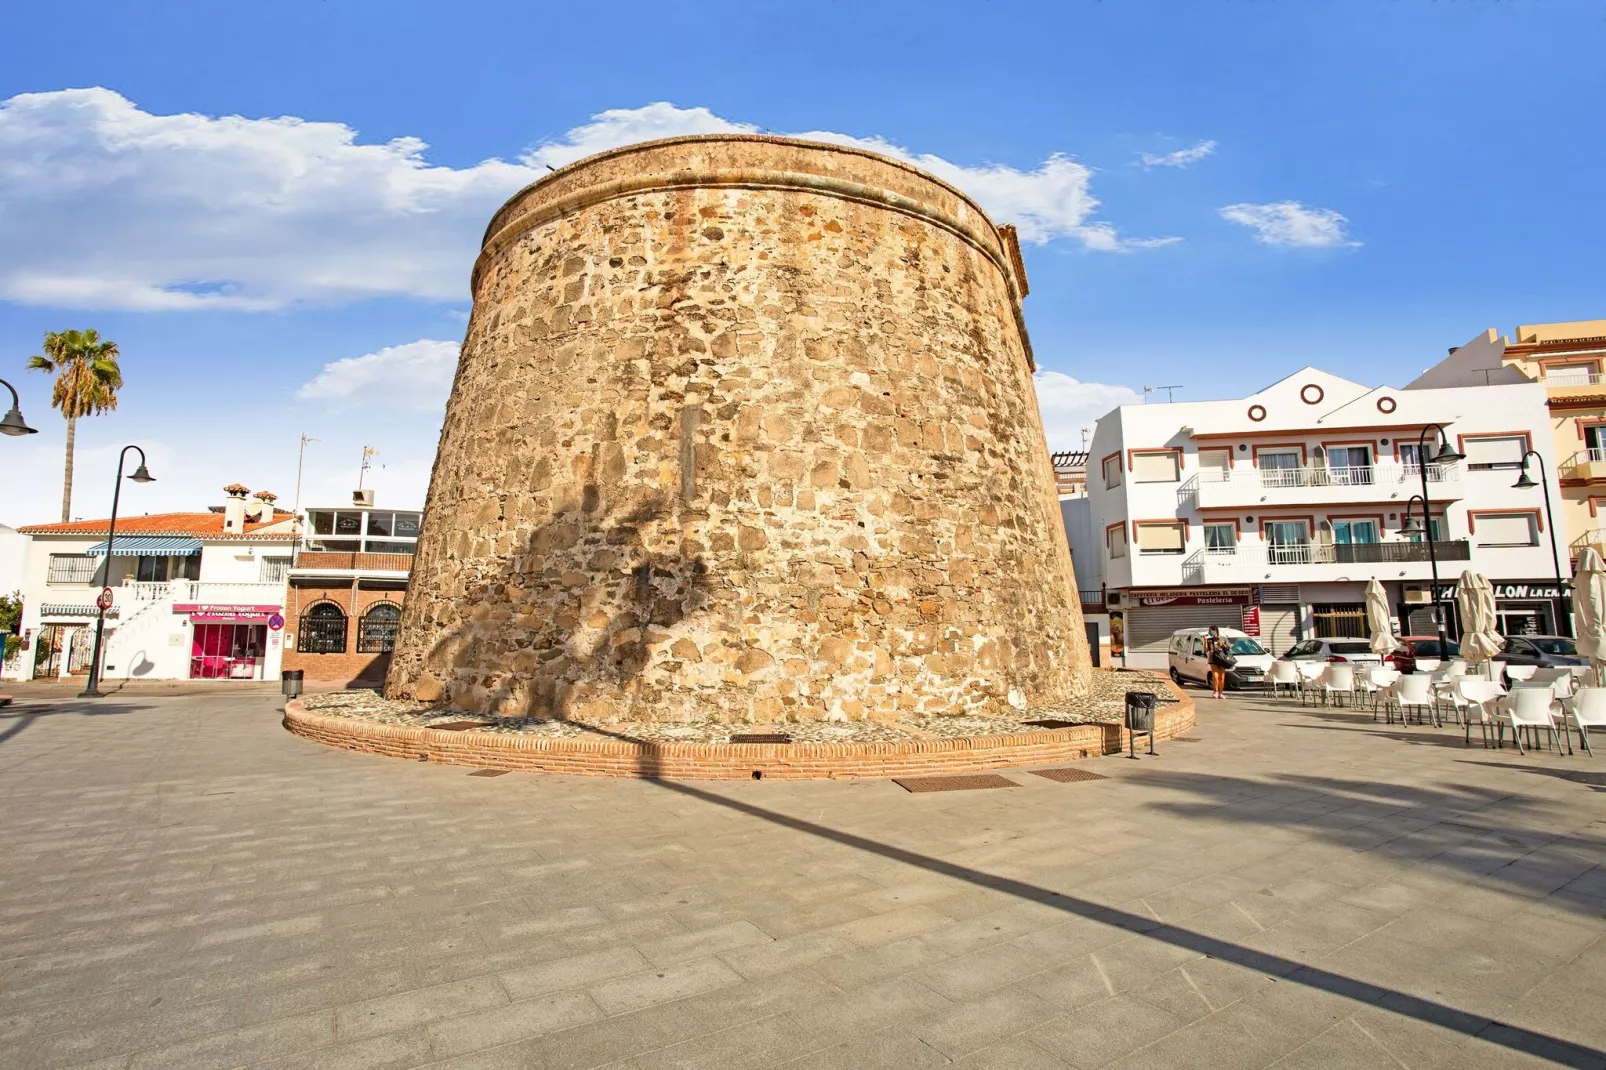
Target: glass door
[
  {"x": 1350, "y": 465},
  {"x": 1287, "y": 542}
]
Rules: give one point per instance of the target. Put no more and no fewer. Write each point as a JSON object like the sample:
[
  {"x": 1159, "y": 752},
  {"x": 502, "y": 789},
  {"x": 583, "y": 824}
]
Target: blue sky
[{"x": 1220, "y": 192}]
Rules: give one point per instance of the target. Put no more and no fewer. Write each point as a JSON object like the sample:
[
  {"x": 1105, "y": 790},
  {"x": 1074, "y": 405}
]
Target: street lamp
[
  {"x": 1411, "y": 528},
  {"x": 141, "y": 475},
  {"x": 12, "y": 422},
  {"x": 1445, "y": 455},
  {"x": 1525, "y": 482}
]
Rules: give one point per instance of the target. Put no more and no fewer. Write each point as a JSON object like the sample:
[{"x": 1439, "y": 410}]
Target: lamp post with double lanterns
[
  {"x": 1564, "y": 626},
  {"x": 12, "y": 422},
  {"x": 1444, "y": 455},
  {"x": 141, "y": 475}
]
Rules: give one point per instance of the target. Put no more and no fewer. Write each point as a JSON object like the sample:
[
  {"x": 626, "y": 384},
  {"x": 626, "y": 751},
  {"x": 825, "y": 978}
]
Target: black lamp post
[
  {"x": 12, "y": 422},
  {"x": 1524, "y": 482},
  {"x": 92, "y": 690},
  {"x": 1445, "y": 455}
]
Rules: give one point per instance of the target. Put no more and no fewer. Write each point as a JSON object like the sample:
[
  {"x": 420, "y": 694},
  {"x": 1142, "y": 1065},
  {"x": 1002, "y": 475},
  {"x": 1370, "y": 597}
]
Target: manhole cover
[
  {"x": 954, "y": 783},
  {"x": 456, "y": 726},
  {"x": 762, "y": 737},
  {"x": 489, "y": 772},
  {"x": 1068, "y": 774},
  {"x": 1053, "y": 724}
]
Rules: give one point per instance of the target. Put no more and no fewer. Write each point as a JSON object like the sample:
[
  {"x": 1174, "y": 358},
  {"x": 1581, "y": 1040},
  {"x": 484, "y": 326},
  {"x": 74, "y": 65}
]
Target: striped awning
[
  {"x": 149, "y": 546},
  {"x": 59, "y": 610}
]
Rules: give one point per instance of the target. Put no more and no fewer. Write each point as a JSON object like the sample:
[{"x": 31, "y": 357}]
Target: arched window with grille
[
  {"x": 376, "y": 633},
  {"x": 323, "y": 630}
]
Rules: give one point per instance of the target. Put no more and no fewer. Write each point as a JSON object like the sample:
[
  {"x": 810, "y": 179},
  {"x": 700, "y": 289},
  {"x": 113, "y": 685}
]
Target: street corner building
[{"x": 743, "y": 428}]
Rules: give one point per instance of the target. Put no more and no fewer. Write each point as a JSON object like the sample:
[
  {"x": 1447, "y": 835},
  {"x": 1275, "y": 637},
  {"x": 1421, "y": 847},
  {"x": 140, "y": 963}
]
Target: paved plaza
[{"x": 184, "y": 884}]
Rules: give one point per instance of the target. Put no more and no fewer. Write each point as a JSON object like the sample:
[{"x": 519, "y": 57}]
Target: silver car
[{"x": 1355, "y": 650}]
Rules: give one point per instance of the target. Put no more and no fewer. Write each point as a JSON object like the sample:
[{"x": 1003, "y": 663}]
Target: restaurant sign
[
  {"x": 225, "y": 613},
  {"x": 1221, "y": 596},
  {"x": 1537, "y": 592}
]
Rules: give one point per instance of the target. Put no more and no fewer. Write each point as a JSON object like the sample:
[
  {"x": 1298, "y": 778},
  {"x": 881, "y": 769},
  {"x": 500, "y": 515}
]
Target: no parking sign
[{"x": 276, "y": 622}]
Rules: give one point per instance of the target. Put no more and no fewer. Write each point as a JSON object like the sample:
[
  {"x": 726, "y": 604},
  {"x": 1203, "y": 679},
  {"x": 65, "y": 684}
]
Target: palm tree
[{"x": 87, "y": 381}]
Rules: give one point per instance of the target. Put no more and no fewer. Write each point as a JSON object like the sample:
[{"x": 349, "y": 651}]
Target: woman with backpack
[{"x": 1219, "y": 655}]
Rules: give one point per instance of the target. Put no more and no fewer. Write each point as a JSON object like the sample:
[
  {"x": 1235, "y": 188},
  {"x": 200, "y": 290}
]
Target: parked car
[
  {"x": 1187, "y": 657},
  {"x": 1541, "y": 651},
  {"x": 1356, "y": 650},
  {"x": 1421, "y": 651}
]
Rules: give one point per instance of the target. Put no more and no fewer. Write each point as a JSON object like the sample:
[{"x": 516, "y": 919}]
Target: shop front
[
  {"x": 229, "y": 642},
  {"x": 1153, "y": 615},
  {"x": 1522, "y": 607}
]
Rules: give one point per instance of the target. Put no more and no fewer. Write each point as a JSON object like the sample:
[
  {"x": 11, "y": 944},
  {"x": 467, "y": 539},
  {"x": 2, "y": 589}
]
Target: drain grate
[
  {"x": 954, "y": 783},
  {"x": 456, "y": 726},
  {"x": 489, "y": 772},
  {"x": 1053, "y": 724},
  {"x": 762, "y": 737},
  {"x": 1068, "y": 774}
]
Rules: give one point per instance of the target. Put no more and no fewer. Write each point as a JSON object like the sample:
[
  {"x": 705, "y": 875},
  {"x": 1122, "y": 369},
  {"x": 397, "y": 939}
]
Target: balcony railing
[
  {"x": 1578, "y": 460},
  {"x": 1595, "y": 538},
  {"x": 1572, "y": 378},
  {"x": 1397, "y": 551},
  {"x": 1323, "y": 476}
]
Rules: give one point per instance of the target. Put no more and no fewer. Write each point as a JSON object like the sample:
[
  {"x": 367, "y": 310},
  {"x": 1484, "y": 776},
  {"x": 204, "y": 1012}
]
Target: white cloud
[
  {"x": 416, "y": 375},
  {"x": 1290, "y": 223},
  {"x": 1069, "y": 405},
  {"x": 111, "y": 206},
  {"x": 1179, "y": 158}
]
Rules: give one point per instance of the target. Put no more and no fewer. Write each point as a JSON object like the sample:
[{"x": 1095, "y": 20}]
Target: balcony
[
  {"x": 1315, "y": 562},
  {"x": 1316, "y": 485},
  {"x": 351, "y": 561},
  {"x": 1595, "y": 539},
  {"x": 1585, "y": 464},
  {"x": 1571, "y": 377}
]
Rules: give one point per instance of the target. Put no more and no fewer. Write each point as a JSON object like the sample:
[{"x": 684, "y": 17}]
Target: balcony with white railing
[
  {"x": 1562, "y": 377},
  {"x": 1310, "y": 562},
  {"x": 1585, "y": 464},
  {"x": 199, "y": 591},
  {"x": 1595, "y": 538},
  {"x": 1316, "y": 485}
]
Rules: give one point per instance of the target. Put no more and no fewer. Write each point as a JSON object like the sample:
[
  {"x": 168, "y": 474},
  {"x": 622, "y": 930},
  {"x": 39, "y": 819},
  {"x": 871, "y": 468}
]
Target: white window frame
[
  {"x": 1110, "y": 483},
  {"x": 1467, "y": 442},
  {"x": 1232, "y": 540},
  {"x": 1480, "y": 521},
  {"x": 1115, "y": 543}
]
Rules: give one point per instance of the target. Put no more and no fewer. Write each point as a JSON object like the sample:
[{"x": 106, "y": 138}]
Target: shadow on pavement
[{"x": 14, "y": 720}]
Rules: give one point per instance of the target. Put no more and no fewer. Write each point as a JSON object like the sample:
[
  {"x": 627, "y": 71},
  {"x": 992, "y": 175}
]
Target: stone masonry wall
[{"x": 743, "y": 428}]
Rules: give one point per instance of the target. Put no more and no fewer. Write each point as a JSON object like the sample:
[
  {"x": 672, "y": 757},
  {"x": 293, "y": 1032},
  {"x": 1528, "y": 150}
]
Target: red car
[{"x": 1413, "y": 647}]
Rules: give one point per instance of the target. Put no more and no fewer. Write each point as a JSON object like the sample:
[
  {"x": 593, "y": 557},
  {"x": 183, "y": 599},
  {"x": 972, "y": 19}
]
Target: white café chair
[
  {"x": 1586, "y": 710},
  {"x": 1521, "y": 672},
  {"x": 1408, "y": 691},
  {"x": 1338, "y": 679},
  {"x": 1446, "y": 692},
  {"x": 1375, "y": 682},
  {"x": 1284, "y": 674},
  {"x": 1475, "y": 698},
  {"x": 1310, "y": 676},
  {"x": 1532, "y": 708},
  {"x": 1559, "y": 680}
]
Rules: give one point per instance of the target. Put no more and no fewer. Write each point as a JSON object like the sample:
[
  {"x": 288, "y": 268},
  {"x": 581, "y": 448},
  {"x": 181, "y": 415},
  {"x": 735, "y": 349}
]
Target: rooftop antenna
[
  {"x": 301, "y": 455},
  {"x": 1085, "y": 432},
  {"x": 367, "y": 452},
  {"x": 1167, "y": 389}
]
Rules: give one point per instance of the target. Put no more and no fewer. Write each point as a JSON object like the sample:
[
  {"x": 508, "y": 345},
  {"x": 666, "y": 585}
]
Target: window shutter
[
  {"x": 1154, "y": 468},
  {"x": 1160, "y": 537},
  {"x": 1506, "y": 530},
  {"x": 1217, "y": 460},
  {"x": 1486, "y": 451}
]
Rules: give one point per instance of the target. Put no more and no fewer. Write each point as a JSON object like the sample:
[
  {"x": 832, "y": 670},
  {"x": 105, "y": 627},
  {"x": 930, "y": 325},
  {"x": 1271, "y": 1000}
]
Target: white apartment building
[
  {"x": 1271, "y": 512},
  {"x": 194, "y": 595}
]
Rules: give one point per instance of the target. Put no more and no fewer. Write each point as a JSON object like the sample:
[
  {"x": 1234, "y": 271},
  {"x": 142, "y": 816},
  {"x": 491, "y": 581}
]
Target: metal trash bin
[
  {"x": 1140, "y": 719},
  {"x": 290, "y": 682}
]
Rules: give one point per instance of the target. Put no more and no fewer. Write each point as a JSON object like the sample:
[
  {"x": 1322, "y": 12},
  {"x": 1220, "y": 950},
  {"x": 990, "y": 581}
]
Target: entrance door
[
  {"x": 1523, "y": 618},
  {"x": 47, "y": 652},
  {"x": 227, "y": 651}
]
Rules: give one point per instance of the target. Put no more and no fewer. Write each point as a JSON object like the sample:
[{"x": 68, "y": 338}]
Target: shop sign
[
  {"x": 1251, "y": 620},
  {"x": 1224, "y": 596},
  {"x": 223, "y": 613},
  {"x": 1510, "y": 591}
]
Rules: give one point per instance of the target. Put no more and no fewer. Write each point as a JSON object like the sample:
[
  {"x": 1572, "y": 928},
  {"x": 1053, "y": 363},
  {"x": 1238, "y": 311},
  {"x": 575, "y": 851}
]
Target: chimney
[
  {"x": 261, "y": 510},
  {"x": 234, "y": 509}
]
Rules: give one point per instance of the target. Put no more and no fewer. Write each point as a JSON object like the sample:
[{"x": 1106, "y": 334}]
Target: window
[
  {"x": 150, "y": 569},
  {"x": 1220, "y": 538},
  {"x": 323, "y": 630},
  {"x": 1341, "y": 620},
  {"x": 1506, "y": 529},
  {"x": 1353, "y": 531},
  {"x": 1156, "y": 467},
  {"x": 1287, "y": 542},
  {"x": 1570, "y": 374},
  {"x": 1214, "y": 465},
  {"x": 1410, "y": 454},
  {"x": 1115, "y": 541},
  {"x": 1112, "y": 471},
  {"x": 72, "y": 568},
  {"x": 1350, "y": 465},
  {"x": 1306, "y": 649},
  {"x": 1279, "y": 468},
  {"x": 1500, "y": 451},
  {"x": 392, "y": 527},
  {"x": 1435, "y": 529},
  {"x": 1162, "y": 538},
  {"x": 376, "y": 633},
  {"x": 334, "y": 529},
  {"x": 272, "y": 569}
]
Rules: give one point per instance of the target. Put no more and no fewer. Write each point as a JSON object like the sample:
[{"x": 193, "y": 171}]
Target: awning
[
  {"x": 59, "y": 610},
  {"x": 149, "y": 546}
]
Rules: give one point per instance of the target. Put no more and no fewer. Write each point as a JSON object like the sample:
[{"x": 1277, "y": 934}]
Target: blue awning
[
  {"x": 149, "y": 546},
  {"x": 50, "y": 609}
]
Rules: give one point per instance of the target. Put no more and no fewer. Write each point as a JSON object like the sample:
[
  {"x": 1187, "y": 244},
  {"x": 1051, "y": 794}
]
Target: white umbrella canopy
[
  {"x": 1377, "y": 619},
  {"x": 1475, "y": 598},
  {"x": 1589, "y": 607}
]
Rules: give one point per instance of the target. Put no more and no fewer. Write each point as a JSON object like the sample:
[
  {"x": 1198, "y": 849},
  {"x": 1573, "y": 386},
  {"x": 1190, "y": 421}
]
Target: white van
[{"x": 1186, "y": 655}]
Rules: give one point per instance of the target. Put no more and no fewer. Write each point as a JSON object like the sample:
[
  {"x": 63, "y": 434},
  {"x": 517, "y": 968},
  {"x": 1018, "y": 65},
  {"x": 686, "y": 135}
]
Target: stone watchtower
[{"x": 743, "y": 429}]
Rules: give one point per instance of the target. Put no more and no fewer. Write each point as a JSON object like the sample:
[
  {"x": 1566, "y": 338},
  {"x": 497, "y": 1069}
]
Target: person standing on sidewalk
[{"x": 1220, "y": 659}]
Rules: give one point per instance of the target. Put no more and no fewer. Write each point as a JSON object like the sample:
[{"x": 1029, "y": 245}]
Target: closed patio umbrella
[
  {"x": 1589, "y": 608},
  {"x": 1377, "y": 619},
  {"x": 1480, "y": 640}
]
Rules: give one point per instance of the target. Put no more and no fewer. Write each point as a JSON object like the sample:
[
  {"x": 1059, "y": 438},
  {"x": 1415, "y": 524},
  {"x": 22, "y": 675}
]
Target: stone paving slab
[{"x": 187, "y": 885}]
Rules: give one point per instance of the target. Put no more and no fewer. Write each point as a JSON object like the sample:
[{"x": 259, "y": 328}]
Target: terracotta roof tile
[{"x": 203, "y": 525}]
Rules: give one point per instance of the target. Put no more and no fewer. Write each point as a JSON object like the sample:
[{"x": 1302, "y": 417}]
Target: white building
[
  {"x": 1271, "y": 512},
  {"x": 194, "y": 595}
]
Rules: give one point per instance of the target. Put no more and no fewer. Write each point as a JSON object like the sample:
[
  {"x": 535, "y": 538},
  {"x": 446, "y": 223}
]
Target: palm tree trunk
[{"x": 66, "y": 483}]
